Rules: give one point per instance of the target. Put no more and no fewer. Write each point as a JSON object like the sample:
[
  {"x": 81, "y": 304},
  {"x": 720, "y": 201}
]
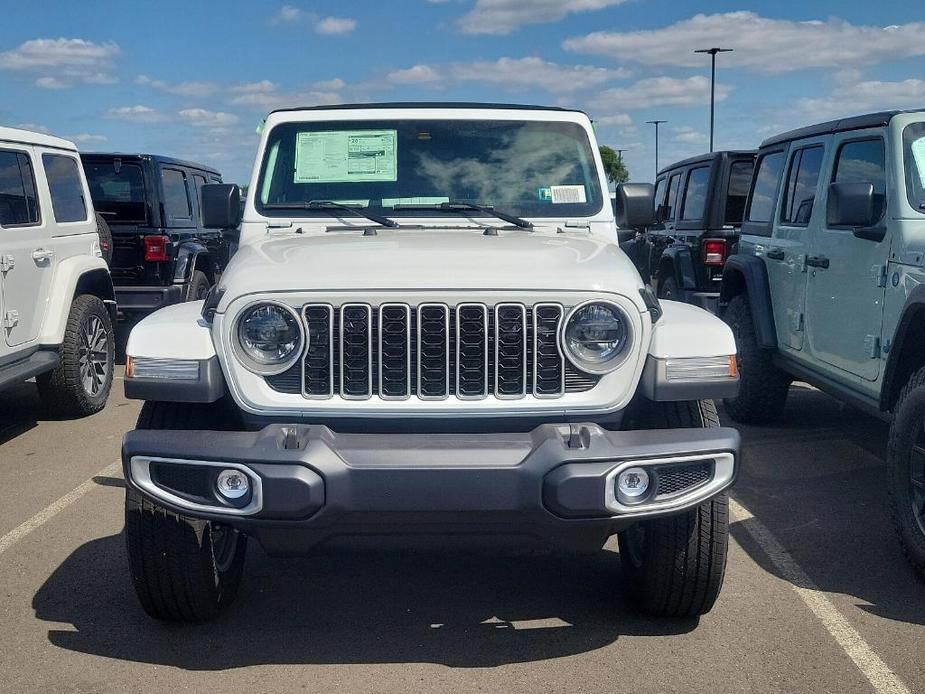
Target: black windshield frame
[{"x": 446, "y": 137}]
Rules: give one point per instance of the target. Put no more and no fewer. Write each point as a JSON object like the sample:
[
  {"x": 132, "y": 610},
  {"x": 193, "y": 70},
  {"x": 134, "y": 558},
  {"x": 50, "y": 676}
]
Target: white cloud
[
  {"x": 534, "y": 72},
  {"x": 137, "y": 114},
  {"x": 335, "y": 25},
  {"x": 506, "y": 16},
  {"x": 615, "y": 119},
  {"x": 688, "y": 136},
  {"x": 86, "y": 138},
  {"x": 200, "y": 117},
  {"x": 761, "y": 44},
  {"x": 418, "y": 74},
  {"x": 266, "y": 96},
  {"x": 34, "y": 127},
  {"x": 660, "y": 91},
  {"x": 188, "y": 89},
  {"x": 63, "y": 62},
  {"x": 260, "y": 87},
  {"x": 331, "y": 26},
  {"x": 332, "y": 84},
  {"x": 861, "y": 97}
]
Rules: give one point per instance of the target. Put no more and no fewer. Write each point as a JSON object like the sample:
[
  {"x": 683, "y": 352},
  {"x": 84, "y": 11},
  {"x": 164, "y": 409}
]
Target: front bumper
[{"x": 309, "y": 485}]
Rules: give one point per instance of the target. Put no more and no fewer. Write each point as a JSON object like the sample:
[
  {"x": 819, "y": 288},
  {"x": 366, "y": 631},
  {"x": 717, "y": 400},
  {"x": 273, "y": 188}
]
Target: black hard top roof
[
  {"x": 709, "y": 156},
  {"x": 156, "y": 158},
  {"x": 868, "y": 120},
  {"x": 428, "y": 104}
]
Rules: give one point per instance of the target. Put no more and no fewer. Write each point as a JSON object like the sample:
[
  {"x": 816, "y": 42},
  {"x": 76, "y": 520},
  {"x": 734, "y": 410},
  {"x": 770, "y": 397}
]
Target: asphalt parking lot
[{"x": 817, "y": 598}]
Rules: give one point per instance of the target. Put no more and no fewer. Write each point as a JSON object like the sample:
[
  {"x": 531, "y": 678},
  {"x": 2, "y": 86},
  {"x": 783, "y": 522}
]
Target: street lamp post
[
  {"x": 713, "y": 52},
  {"x": 656, "y": 123}
]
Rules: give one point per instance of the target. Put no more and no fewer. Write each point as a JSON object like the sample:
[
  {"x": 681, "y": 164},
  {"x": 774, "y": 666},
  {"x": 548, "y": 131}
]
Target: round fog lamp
[
  {"x": 232, "y": 484},
  {"x": 632, "y": 485}
]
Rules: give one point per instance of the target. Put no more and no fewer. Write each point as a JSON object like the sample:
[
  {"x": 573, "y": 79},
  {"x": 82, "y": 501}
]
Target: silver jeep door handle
[{"x": 42, "y": 254}]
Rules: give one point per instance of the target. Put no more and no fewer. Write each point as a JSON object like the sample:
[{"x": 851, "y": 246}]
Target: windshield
[
  {"x": 528, "y": 169},
  {"x": 119, "y": 195},
  {"x": 914, "y": 159}
]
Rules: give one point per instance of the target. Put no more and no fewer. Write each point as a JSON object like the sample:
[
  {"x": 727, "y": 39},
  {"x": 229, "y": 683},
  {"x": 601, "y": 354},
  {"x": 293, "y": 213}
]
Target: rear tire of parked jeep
[
  {"x": 199, "y": 286},
  {"x": 762, "y": 386},
  {"x": 79, "y": 385},
  {"x": 668, "y": 289},
  {"x": 105, "y": 233},
  {"x": 906, "y": 470},
  {"x": 674, "y": 566},
  {"x": 183, "y": 569}
]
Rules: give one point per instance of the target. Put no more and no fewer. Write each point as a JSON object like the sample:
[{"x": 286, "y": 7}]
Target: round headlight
[
  {"x": 595, "y": 337},
  {"x": 269, "y": 336}
]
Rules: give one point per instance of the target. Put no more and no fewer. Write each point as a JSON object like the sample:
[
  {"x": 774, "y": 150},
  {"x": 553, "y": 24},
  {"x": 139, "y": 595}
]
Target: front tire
[
  {"x": 183, "y": 569},
  {"x": 763, "y": 387},
  {"x": 906, "y": 470},
  {"x": 79, "y": 385},
  {"x": 674, "y": 566}
]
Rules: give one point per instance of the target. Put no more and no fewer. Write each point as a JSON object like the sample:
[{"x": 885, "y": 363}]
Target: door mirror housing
[
  {"x": 634, "y": 206},
  {"x": 221, "y": 205},
  {"x": 853, "y": 205}
]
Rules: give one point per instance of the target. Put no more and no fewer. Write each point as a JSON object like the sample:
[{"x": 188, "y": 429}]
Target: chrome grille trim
[
  {"x": 383, "y": 308},
  {"x": 369, "y": 352},
  {"x": 522, "y": 391},
  {"x": 446, "y": 349},
  {"x": 304, "y": 361},
  {"x": 537, "y": 308},
  {"x": 459, "y": 347}
]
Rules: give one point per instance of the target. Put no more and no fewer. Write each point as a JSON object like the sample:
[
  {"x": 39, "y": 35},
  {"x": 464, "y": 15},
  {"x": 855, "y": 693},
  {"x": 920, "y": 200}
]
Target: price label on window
[{"x": 346, "y": 156}]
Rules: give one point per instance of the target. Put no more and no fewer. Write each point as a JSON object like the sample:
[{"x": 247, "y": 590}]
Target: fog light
[
  {"x": 632, "y": 485},
  {"x": 232, "y": 484}
]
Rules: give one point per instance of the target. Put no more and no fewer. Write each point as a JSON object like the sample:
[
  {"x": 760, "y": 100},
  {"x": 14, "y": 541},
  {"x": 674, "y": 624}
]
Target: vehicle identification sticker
[
  {"x": 346, "y": 156},
  {"x": 568, "y": 194}
]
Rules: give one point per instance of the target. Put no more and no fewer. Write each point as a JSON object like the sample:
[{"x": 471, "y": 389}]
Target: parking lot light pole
[
  {"x": 713, "y": 52},
  {"x": 656, "y": 123}
]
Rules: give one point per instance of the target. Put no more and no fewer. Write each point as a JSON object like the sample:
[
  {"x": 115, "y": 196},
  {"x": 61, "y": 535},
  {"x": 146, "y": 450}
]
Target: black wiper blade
[
  {"x": 331, "y": 205},
  {"x": 459, "y": 205}
]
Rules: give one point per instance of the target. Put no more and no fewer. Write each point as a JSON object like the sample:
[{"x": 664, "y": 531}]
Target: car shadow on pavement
[
  {"x": 817, "y": 480},
  {"x": 458, "y": 609}
]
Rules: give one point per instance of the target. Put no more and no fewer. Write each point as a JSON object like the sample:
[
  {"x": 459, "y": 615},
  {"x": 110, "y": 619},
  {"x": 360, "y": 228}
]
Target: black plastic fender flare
[
  {"x": 187, "y": 253},
  {"x": 748, "y": 273},
  {"x": 893, "y": 376},
  {"x": 682, "y": 265}
]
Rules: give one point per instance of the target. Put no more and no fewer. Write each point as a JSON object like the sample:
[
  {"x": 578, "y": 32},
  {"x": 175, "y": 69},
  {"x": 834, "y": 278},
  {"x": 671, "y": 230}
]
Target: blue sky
[{"x": 193, "y": 79}]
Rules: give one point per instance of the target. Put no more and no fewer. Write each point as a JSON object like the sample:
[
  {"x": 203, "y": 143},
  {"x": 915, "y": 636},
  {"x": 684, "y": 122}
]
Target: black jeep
[
  {"x": 699, "y": 205},
  {"x": 161, "y": 253}
]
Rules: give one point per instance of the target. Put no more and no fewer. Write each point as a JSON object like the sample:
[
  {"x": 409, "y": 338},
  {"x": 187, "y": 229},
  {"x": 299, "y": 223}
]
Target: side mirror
[
  {"x": 634, "y": 206},
  {"x": 221, "y": 205},
  {"x": 853, "y": 205}
]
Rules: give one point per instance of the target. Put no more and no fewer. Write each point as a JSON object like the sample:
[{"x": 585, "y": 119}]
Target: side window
[
  {"x": 863, "y": 161},
  {"x": 740, "y": 178},
  {"x": 198, "y": 182},
  {"x": 176, "y": 197},
  {"x": 670, "y": 205},
  {"x": 660, "y": 186},
  {"x": 695, "y": 194},
  {"x": 67, "y": 195},
  {"x": 764, "y": 188},
  {"x": 18, "y": 204},
  {"x": 802, "y": 182}
]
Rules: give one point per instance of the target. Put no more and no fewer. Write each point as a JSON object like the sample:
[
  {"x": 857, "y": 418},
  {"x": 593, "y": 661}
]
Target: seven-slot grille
[{"x": 431, "y": 351}]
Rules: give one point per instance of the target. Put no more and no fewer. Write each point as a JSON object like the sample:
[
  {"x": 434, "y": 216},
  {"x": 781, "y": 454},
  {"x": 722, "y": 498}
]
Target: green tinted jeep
[{"x": 828, "y": 285}]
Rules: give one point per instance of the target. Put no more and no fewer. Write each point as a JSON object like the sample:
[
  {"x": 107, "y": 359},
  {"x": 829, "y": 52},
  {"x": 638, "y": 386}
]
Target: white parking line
[
  {"x": 52, "y": 510},
  {"x": 852, "y": 643}
]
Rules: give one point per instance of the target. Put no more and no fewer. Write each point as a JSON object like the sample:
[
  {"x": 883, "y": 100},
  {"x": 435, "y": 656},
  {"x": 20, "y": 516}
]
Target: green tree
[{"x": 613, "y": 166}]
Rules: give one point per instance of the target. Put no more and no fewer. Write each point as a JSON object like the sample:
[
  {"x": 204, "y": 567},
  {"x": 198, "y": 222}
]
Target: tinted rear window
[
  {"x": 67, "y": 195},
  {"x": 740, "y": 178},
  {"x": 18, "y": 205},
  {"x": 119, "y": 195},
  {"x": 176, "y": 198},
  {"x": 764, "y": 191},
  {"x": 695, "y": 194}
]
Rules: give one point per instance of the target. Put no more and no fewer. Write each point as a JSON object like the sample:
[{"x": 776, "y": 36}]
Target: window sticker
[
  {"x": 918, "y": 153},
  {"x": 568, "y": 194},
  {"x": 418, "y": 200},
  {"x": 346, "y": 156},
  {"x": 544, "y": 194}
]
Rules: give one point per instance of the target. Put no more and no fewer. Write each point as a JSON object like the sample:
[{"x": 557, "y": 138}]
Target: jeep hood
[{"x": 430, "y": 259}]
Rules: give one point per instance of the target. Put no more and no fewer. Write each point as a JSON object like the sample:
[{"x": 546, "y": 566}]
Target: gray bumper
[{"x": 310, "y": 484}]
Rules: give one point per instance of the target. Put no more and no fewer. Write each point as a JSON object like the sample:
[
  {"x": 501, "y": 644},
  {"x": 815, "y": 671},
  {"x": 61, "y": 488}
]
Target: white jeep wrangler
[
  {"x": 57, "y": 305},
  {"x": 429, "y": 330}
]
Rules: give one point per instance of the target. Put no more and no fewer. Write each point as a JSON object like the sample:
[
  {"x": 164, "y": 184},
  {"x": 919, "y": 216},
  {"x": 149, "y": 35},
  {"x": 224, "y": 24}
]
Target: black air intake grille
[
  {"x": 434, "y": 351},
  {"x": 319, "y": 362},
  {"x": 356, "y": 351},
  {"x": 510, "y": 350},
  {"x": 472, "y": 350},
  {"x": 673, "y": 479},
  {"x": 394, "y": 351}
]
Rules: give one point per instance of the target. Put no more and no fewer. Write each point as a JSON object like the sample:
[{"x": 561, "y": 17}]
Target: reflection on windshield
[
  {"x": 524, "y": 168},
  {"x": 118, "y": 195},
  {"x": 914, "y": 158}
]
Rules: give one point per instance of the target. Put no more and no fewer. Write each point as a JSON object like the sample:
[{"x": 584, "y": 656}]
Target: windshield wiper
[
  {"x": 331, "y": 205},
  {"x": 456, "y": 205}
]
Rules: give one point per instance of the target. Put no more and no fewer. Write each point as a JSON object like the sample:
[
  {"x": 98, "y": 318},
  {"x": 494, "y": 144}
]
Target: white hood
[{"x": 439, "y": 259}]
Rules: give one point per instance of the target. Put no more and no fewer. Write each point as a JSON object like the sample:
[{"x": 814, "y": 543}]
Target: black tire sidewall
[
  {"x": 105, "y": 233},
  {"x": 668, "y": 289},
  {"x": 907, "y": 424},
  {"x": 199, "y": 284}
]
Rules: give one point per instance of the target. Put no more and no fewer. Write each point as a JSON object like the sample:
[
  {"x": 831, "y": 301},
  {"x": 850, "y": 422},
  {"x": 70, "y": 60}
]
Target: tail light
[
  {"x": 156, "y": 249},
  {"x": 714, "y": 252}
]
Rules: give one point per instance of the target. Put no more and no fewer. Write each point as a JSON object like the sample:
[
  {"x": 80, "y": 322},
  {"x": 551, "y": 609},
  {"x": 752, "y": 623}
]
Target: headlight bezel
[
  {"x": 619, "y": 357},
  {"x": 251, "y": 364}
]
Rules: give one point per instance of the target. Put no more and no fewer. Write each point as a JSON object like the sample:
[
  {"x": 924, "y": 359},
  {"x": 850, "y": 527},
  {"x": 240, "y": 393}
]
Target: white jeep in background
[
  {"x": 57, "y": 305},
  {"x": 429, "y": 330}
]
